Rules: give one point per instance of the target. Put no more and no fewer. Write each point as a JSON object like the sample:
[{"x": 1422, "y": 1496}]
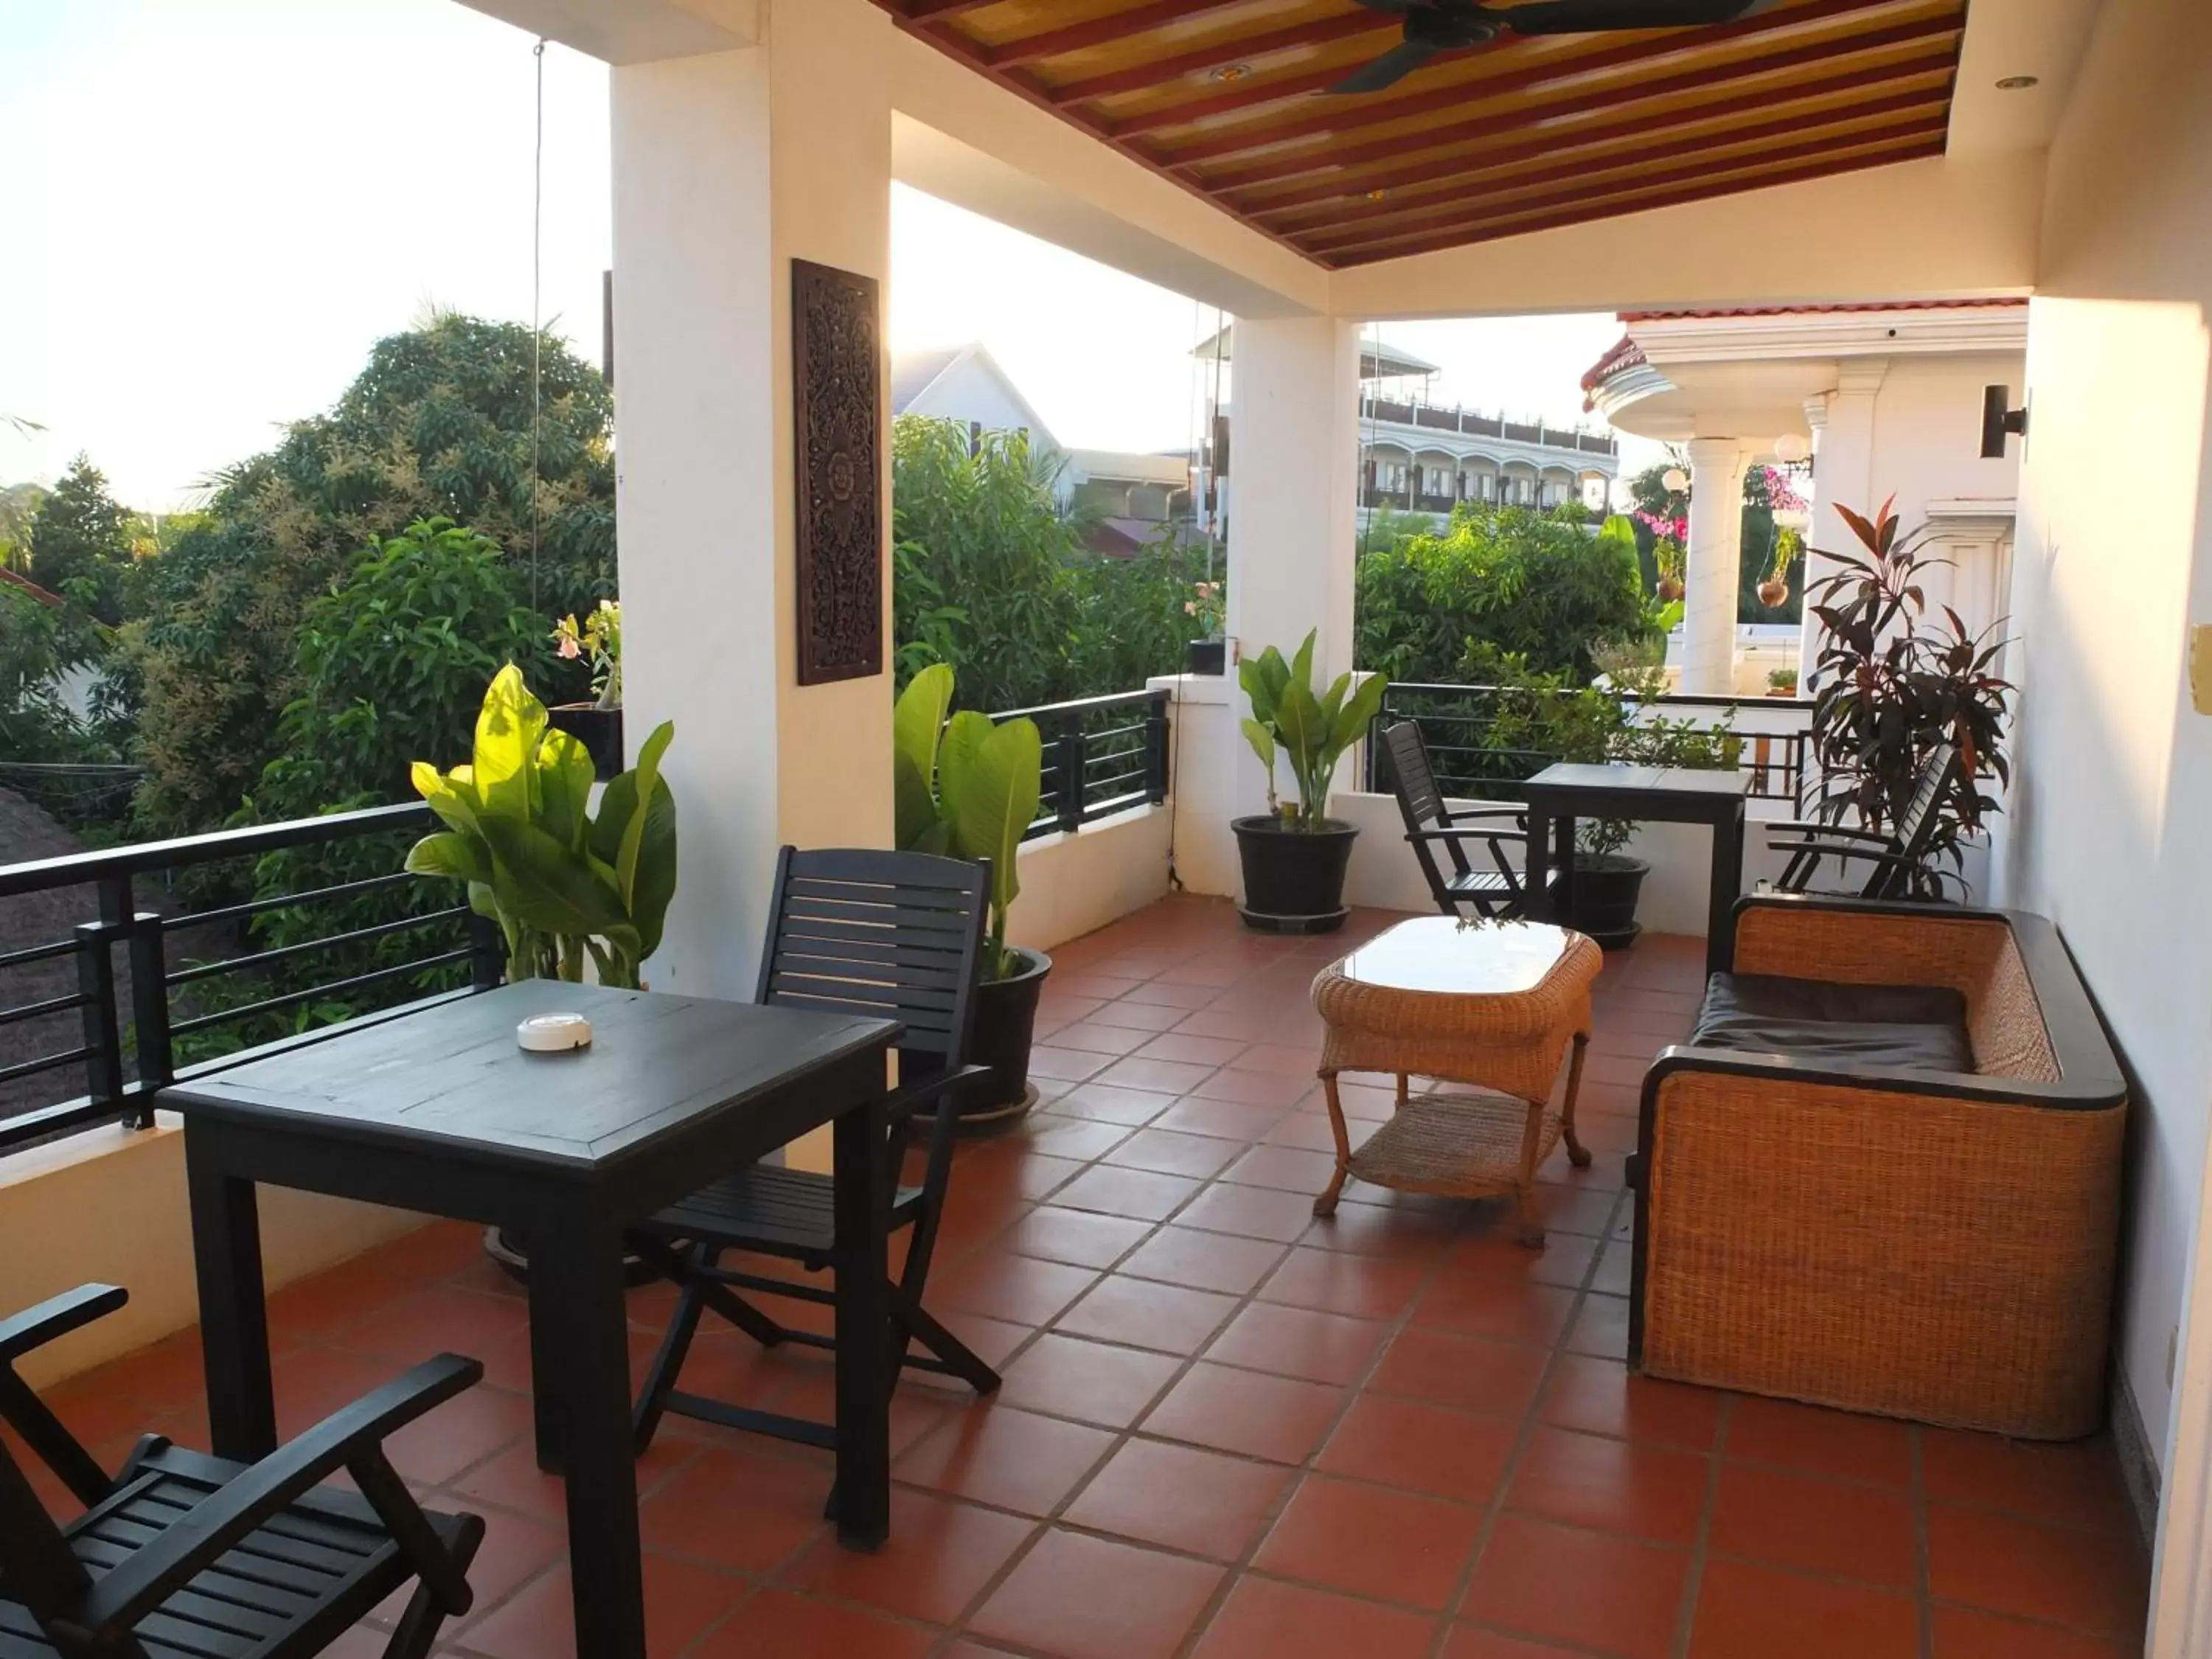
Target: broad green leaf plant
[
  {"x": 562, "y": 881},
  {"x": 1309, "y": 730},
  {"x": 967, "y": 787}
]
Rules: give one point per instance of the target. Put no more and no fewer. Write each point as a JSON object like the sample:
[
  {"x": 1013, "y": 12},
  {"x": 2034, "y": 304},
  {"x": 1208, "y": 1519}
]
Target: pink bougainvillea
[
  {"x": 1666, "y": 529},
  {"x": 1780, "y": 495}
]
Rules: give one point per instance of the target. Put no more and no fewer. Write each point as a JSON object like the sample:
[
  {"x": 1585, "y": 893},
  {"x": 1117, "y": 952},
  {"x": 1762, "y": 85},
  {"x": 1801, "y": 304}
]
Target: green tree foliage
[
  {"x": 19, "y": 505},
  {"x": 1538, "y": 585},
  {"x": 82, "y": 535},
  {"x": 40, "y": 644},
  {"x": 437, "y": 425},
  {"x": 990, "y": 576},
  {"x": 391, "y": 667}
]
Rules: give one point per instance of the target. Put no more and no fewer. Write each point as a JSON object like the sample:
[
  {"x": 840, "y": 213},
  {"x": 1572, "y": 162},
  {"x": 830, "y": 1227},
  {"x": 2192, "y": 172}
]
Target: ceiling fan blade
[
  {"x": 1596, "y": 16},
  {"x": 1392, "y": 67}
]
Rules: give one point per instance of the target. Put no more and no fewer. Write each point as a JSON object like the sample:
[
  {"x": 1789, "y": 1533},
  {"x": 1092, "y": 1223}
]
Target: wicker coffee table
[{"x": 1494, "y": 1005}]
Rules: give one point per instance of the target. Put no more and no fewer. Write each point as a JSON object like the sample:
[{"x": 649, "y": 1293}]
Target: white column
[
  {"x": 726, "y": 167},
  {"x": 1843, "y": 473},
  {"x": 1713, "y": 570},
  {"x": 1292, "y": 537}
]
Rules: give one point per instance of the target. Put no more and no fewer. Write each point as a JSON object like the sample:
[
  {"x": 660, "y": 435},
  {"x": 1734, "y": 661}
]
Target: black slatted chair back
[
  {"x": 1421, "y": 804},
  {"x": 896, "y": 935},
  {"x": 1917, "y": 823},
  {"x": 36, "y": 1563}
]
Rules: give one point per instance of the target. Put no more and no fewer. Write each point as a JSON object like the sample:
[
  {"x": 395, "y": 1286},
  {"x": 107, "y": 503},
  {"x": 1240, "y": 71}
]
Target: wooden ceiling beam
[
  {"x": 1103, "y": 30},
  {"x": 1696, "y": 78},
  {"x": 1646, "y": 48},
  {"x": 1585, "y": 210},
  {"x": 1634, "y": 123},
  {"x": 1336, "y": 238},
  {"x": 1231, "y": 50}
]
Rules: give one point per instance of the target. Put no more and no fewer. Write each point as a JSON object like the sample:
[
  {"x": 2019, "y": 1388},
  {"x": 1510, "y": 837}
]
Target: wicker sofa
[{"x": 1934, "y": 1244}]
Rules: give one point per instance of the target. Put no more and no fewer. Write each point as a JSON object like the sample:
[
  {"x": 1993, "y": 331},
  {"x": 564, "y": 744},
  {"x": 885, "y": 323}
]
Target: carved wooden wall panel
[{"x": 836, "y": 350}]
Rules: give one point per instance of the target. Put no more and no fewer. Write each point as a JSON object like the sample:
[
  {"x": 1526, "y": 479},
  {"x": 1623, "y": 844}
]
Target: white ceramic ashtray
[{"x": 548, "y": 1034}]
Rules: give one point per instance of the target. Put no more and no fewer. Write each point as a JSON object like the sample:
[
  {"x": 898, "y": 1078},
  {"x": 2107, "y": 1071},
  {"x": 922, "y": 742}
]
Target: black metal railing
[
  {"x": 125, "y": 998},
  {"x": 1102, "y": 756},
  {"x": 1461, "y": 723}
]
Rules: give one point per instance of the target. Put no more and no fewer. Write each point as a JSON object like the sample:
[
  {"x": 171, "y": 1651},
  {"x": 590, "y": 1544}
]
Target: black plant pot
[
  {"x": 1205, "y": 657},
  {"x": 1607, "y": 887},
  {"x": 1005, "y": 1020},
  {"x": 1293, "y": 879},
  {"x": 599, "y": 730},
  {"x": 513, "y": 1258}
]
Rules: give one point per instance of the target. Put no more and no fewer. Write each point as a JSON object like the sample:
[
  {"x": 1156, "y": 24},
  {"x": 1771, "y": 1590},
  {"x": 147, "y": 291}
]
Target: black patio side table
[
  {"x": 1558, "y": 795},
  {"x": 439, "y": 1112}
]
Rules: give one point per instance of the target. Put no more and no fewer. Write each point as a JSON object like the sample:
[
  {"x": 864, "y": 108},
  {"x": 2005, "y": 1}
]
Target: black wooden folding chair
[
  {"x": 184, "y": 1556},
  {"x": 1893, "y": 855},
  {"x": 898, "y": 935},
  {"x": 1430, "y": 824}
]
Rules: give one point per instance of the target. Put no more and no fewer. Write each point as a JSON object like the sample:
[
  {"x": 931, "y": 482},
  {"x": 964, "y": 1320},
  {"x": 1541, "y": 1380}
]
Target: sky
[{"x": 228, "y": 201}]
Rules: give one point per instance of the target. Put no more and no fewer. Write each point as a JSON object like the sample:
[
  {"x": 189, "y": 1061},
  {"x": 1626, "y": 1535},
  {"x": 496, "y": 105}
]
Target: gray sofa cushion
[{"x": 1920, "y": 1028}]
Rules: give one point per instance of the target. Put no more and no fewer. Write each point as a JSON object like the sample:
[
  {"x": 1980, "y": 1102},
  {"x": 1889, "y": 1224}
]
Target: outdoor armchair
[
  {"x": 185, "y": 1556},
  {"x": 1892, "y": 1236},
  {"x": 1431, "y": 828},
  {"x": 1892, "y": 857}
]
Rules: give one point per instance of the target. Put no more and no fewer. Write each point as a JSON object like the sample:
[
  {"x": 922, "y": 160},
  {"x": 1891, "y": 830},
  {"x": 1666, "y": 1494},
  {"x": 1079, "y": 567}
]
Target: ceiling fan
[{"x": 1435, "y": 26}]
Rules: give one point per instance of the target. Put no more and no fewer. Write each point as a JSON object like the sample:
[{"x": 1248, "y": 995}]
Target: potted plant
[
  {"x": 597, "y": 724},
  {"x": 1891, "y": 688},
  {"x": 566, "y": 886},
  {"x": 1782, "y": 683},
  {"x": 1667, "y": 559},
  {"x": 1209, "y": 653},
  {"x": 1294, "y": 856},
  {"x": 1594, "y": 725},
  {"x": 1789, "y": 547},
  {"x": 967, "y": 787}
]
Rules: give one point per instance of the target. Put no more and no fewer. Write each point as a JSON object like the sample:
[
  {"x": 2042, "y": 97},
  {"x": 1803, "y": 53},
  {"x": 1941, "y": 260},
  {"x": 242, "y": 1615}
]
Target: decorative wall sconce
[
  {"x": 1999, "y": 419},
  {"x": 1675, "y": 480}
]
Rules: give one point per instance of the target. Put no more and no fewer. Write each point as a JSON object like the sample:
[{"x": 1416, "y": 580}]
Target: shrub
[{"x": 1534, "y": 586}]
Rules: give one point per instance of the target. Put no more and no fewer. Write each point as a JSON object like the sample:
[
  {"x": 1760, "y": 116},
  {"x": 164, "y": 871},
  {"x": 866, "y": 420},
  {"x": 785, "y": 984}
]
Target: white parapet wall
[
  {"x": 109, "y": 1205},
  {"x": 1074, "y": 883}
]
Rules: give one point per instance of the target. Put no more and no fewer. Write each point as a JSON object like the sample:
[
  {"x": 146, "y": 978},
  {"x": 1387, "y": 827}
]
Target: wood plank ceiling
[{"x": 1227, "y": 98}]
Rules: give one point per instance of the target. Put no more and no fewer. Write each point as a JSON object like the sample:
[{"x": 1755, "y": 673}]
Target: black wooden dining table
[
  {"x": 439, "y": 1111},
  {"x": 1559, "y": 795}
]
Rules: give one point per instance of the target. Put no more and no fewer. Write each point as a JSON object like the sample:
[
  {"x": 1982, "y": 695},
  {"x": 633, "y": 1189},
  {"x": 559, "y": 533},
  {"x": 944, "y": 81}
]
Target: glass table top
[{"x": 1463, "y": 958}]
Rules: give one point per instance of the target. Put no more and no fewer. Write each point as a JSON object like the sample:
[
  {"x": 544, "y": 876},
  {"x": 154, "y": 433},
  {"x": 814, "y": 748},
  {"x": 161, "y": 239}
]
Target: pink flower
[{"x": 568, "y": 649}]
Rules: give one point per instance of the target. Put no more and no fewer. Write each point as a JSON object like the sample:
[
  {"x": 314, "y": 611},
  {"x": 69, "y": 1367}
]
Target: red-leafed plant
[{"x": 1892, "y": 686}]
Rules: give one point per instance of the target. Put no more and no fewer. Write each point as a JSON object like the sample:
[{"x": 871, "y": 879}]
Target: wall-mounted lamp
[
  {"x": 1675, "y": 480},
  {"x": 1791, "y": 449},
  {"x": 1999, "y": 419}
]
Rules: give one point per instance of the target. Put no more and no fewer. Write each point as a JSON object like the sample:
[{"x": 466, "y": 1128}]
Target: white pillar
[
  {"x": 1292, "y": 537},
  {"x": 1713, "y": 569},
  {"x": 728, "y": 166},
  {"x": 1843, "y": 473}
]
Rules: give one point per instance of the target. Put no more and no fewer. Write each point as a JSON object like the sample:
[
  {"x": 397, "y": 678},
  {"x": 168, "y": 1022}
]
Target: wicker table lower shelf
[{"x": 1457, "y": 1145}]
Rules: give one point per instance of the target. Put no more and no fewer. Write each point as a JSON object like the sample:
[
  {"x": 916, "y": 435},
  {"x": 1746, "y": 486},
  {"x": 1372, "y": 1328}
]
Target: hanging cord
[{"x": 536, "y": 324}]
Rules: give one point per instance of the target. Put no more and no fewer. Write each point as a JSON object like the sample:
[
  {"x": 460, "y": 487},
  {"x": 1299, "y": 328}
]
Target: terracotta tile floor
[{"x": 1228, "y": 1429}]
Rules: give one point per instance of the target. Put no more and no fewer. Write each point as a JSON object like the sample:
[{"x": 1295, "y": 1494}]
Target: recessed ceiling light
[
  {"x": 1232, "y": 71},
  {"x": 2019, "y": 83},
  {"x": 1376, "y": 194}
]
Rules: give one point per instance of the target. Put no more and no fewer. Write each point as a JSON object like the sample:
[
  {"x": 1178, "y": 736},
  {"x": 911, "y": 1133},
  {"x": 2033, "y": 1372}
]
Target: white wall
[
  {"x": 110, "y": 1207},
  {"x": 2107, "y": 830},
  {"x": 967, "y": 392},
  {"x": 1073, "y": 884}
]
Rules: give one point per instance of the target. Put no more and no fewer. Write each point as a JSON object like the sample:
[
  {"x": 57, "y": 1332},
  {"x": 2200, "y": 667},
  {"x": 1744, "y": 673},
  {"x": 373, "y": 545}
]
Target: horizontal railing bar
[
  {"x": 38, "y": 953},
  {"x": 271, "y": 1004},
  {"x": 320, "y": 1034},
  {"x": 1119, "y": 777},
  {"x": 1100, "y": 809},
  {"x": 285, "y": 953},
  {"x": 51, "y": 1122},
  {"x": 50, "y": 1006},
  {"x": 78, "y": 867},
  {"x": 44, "y": 1063},
  {"x": 311, "y": 896},
  {"x": 1079, "y": 705}
]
